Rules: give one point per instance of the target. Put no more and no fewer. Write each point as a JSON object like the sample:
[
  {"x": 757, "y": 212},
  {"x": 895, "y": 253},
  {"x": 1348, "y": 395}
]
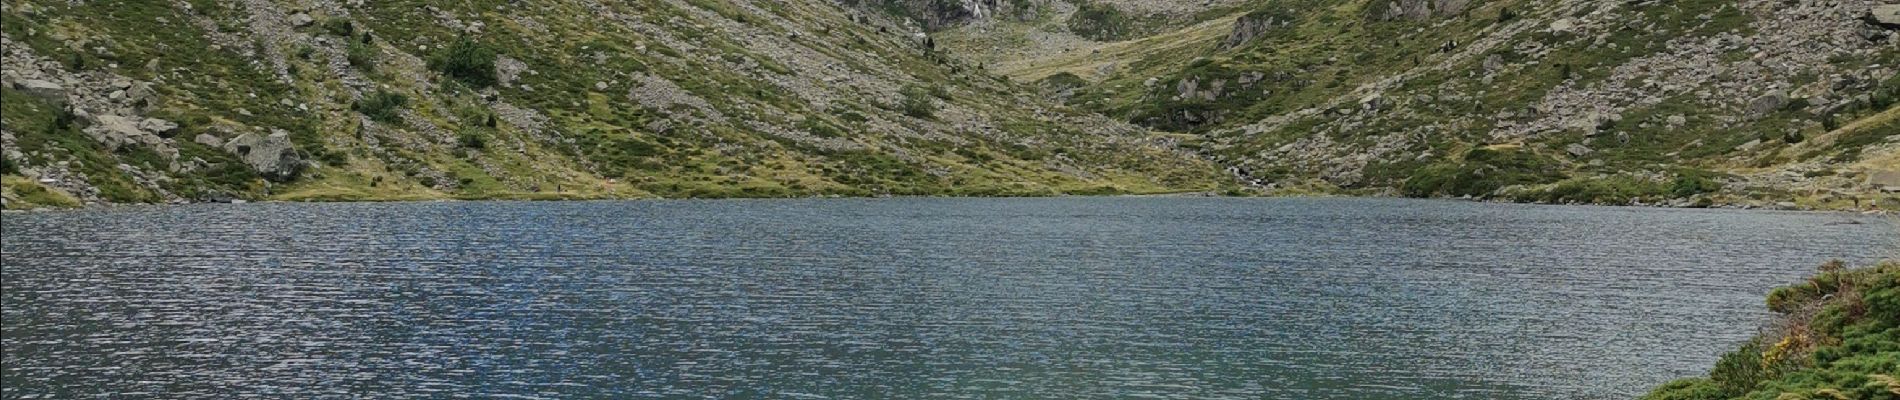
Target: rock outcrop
[
  {"x": 1887, "y": 16},
  {"x": 939, "y": 14},
  {"x": 1254, "y": 25},
  {"x": 116, "y": 131},
  {"x": 273, "y": 156},
  {"x": 43, "y": 89},
  {"x": 1418, "y": 10}
]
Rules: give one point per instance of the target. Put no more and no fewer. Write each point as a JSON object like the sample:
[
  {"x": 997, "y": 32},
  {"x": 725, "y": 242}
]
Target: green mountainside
[
  {"x": 130, "y": 102},
  {"x": 1765, "y": 103},
  {"x": 1652, "y": 102}
]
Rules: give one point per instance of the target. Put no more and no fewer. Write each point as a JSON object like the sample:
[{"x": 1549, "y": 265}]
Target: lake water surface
[{"x": 1173, "y": 298}]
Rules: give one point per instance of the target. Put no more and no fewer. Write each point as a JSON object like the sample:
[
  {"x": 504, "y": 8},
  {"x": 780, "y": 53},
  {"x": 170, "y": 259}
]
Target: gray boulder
[
  {"x": 1373, "y": 102},
  {"x": 1419, "y": 10},
  {"x": 1578, "y": 150},
  {"x": 1253, "y": 25},
  {"x": 160, "y": 127},
  {"x": 117, "y": 131},
  {"x": 301, "y": 20},
  {"x": 208, "y": 140},
  {"x": 44, "y": 89},
  {"x": 1887, "y": 16},
  {"x": 274, "y": 156},
  {"x": 1766, "y": 104},
  {"x": 141, "y": 96}
]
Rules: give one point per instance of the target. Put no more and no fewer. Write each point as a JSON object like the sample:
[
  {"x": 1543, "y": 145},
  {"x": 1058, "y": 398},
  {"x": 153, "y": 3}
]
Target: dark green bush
[
  {"x": 361, "y": 55},
  {"x": 1062, "y": 81},
  {"x": 1100, "y": 22},
  {"x": 467, "y": 61},
  {"x": 1691, "y": 184},
  {"x": 917, "y": 103},
  {"x": 1607, "y": 190},
  {"x": 1481, "y": 173},
  {"x": 382, "y": 106},
  {"x": 340, "y": 27},
  {"x": 820, "y": 128},
  {"x": 472, "y": 139}
]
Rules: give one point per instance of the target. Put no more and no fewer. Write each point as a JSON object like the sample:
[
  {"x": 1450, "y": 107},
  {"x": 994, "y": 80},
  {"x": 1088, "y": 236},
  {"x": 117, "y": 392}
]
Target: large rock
[
  {"x": 1886, "y": 181},
  {"x": 1563, "y": 25},
  {"x": 1254, "y": 25},
  {"x": 208, "y": 140},
  {"x": 301, "y": 20},
  {"x": 937, "y": 14},
  {"x": 117, "y": 131},
  {"x": 1885, "y": 15},
  {"x": 274, "y": 156},
  {"x": 1418, "y": 10},
  {"x": 44, "y": 89},
  {"x": 141, "y": 96},
  {"x": 1766, "y": 104},
  {"x": 160, "y": 127},
  {"x": 1373, "y": 102},
  {"x": 1578, "y": 150}
]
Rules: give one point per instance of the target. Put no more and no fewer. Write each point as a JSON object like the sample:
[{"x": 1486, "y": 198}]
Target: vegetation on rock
[{"x": 1837, "y": 337}]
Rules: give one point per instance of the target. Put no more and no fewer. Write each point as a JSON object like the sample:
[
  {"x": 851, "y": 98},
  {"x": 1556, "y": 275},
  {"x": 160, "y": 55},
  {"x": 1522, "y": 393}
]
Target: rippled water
[{"x": 905, "y": 298}]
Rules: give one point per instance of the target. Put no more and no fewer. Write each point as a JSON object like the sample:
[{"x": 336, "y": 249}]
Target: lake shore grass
[{"x": 1835, "y": 336}]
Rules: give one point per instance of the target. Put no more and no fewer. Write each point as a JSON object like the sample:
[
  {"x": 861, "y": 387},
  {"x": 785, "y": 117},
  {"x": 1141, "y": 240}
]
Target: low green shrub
[
  {"x": 361, "y": 55},
  {"x": 1062, "y": 81},
  {"x": 1693, "y": 183},
  {"x": 339, "y": 27},
  {"x": 1481, "y": 173},
  {"x": 382, "y": 106},
  {"x": 467, "y": 61},
  {"x": 1100, "y": 22},
  {"x": 472, "y": 139},
  {"x": 917, "y": 103}
]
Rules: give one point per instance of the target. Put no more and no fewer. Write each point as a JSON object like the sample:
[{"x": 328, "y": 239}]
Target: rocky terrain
[
  {"x": 1753, "y": 103},
  {"x": 1693, "y": 103},
  {"x": 182, "y": 101}
]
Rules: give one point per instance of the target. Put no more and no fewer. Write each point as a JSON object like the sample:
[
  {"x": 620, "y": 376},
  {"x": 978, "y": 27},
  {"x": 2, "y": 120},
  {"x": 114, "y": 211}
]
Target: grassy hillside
[
  {"x": 330, "y": 100},
  {"x": 1838, "y": 338},
  {"x": 1685, "y": 102}
]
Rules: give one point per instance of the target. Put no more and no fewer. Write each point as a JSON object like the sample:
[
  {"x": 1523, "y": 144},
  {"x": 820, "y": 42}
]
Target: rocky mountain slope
[
  {"x": 167, "y": 101},
  {"x": 1690, "y": 103},
  {"x": 1700, "y": 102}
]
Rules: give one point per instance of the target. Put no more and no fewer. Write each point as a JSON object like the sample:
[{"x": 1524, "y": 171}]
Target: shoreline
[{"x": 1179, "y": 194}]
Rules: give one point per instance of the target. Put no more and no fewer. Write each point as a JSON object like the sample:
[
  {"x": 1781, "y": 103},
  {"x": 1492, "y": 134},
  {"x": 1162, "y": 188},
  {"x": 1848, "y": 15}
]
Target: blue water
[{"x": 1174, "y": 298}]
